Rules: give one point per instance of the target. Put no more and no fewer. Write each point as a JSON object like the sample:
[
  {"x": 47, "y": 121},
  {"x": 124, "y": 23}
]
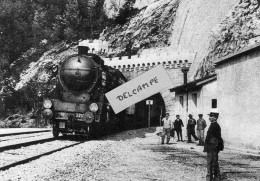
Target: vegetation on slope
[
  {"x": 28, "y": 29},
  {"x": 35, "y": 36}
]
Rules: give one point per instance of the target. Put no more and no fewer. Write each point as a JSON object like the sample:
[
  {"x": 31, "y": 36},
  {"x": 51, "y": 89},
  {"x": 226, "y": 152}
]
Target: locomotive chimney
[{"x": 83, "y": 50}]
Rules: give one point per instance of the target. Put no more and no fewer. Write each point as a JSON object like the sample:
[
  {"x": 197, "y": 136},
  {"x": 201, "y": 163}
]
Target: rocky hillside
[
  {"x": 150, "y": 26},
  {"x": 192, "y": 29},
  {"x": 209, "y": 29},
  {"x": 240, "y": 29},
  {"x": 37, "y": 80}
]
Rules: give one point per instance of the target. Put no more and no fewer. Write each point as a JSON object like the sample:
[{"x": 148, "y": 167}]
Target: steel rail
[
  {"x": 19, "y": 145},
  {"x": 29, "y": 132},
  {"x": 35, "y": 157}
]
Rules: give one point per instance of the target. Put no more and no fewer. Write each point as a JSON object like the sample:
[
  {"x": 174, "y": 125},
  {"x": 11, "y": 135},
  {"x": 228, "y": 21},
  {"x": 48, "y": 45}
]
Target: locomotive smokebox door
[{"x": 78, "y": 73}]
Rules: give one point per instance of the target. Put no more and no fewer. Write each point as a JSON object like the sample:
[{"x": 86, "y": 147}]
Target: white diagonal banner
[{"x": 139, "y": 88}]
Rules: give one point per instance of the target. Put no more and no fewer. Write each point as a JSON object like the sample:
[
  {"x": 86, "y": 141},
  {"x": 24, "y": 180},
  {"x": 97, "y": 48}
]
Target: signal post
[{"x": 149, "y": 103}]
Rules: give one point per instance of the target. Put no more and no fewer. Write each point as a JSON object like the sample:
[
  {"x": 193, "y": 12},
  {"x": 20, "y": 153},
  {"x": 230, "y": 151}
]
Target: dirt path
[
  {"x": 233, "y": 166},
  {"x": 145, "y": 159}
]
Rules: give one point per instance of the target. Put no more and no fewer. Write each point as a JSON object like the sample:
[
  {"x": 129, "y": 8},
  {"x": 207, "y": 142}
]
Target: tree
[
  {"x": 44, "y": 24},
  {"x": 70, "y": 20},
  {"x": 15, "y": 32}
]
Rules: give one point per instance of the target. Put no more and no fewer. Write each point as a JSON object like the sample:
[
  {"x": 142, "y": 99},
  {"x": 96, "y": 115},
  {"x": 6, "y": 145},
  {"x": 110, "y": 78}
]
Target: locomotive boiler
[{"x": 82, "y": 107}]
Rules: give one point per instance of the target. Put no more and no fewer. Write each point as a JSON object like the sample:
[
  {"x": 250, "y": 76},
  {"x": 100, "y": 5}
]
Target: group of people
[
  {"x": 213, "y": 143},
  {"x": 170, "y": 127}
]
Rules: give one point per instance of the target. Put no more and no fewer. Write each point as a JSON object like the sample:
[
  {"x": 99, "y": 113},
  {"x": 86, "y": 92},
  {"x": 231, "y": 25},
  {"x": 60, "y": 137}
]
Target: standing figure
[
  {"x": 178, "y": 124},
  {"x": 167, "y": 125},
  {"x": 191, "y": 129},
  {"x": 128, "y": 49},
  {"x": 213, "y": 144},
  {"x": 201, "y": 125}
]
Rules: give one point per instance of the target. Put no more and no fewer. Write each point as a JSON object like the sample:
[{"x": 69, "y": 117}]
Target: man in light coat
[{"x": 201, "y": 125}]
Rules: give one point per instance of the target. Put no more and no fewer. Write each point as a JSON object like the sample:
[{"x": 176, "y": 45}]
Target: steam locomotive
[{"x": 82, "y": 107}]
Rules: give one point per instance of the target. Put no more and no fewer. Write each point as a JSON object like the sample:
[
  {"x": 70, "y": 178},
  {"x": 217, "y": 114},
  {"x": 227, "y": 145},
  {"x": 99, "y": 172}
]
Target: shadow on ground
[
  {"x": 130, "y": 134},
  {"x": 233, "y": 166}
]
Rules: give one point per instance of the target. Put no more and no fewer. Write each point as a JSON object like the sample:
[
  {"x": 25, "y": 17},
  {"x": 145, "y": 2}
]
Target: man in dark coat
[
  {"x": 213, "y": 144},
  {"x": 191, "y": 129},
  {"x": 178, "y": 124}
]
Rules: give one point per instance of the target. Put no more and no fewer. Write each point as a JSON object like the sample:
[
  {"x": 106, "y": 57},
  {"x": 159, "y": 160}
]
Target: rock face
[
  {"x": 239, "y": 29},
  {"x": 112, "y": 7},
  {"x": 149, "y": 28},
  {"x": 46, "y": 68},
  {"x": 36, "y": 81},
  {"x": 139, "y": 4},
  {"x": 192, "y": 28},
  {"x": 208, "y": 29}
]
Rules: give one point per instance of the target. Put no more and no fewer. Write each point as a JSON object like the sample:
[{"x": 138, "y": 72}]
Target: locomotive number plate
[
  {"x": 79, "y": 115},
  {"x": 61, "y": 115},
  {"x": 61, "y": 124}
]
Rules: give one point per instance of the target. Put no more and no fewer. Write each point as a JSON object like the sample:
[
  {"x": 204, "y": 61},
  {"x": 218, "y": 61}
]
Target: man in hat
[
  {"x": 213, "y": 144},
  {"x": 191, "y": 129},
  {"x": 167, "y": 126},
  {"x": 201, "y": 125}
]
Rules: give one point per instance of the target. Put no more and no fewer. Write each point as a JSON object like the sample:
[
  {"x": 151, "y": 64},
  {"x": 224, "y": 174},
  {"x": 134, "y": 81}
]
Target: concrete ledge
[{"x": 243, "y": 150}]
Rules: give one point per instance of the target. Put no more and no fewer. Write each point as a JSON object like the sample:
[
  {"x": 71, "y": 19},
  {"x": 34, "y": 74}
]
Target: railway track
[
  {"x": 23, "y": 133},
  {"x": 23, "y": 136},
  {"x": 20, "y": 148},
  {"x": 17, "y": 154},
  {"x": 19, "y": 145},
  {"x": 23, "y": 140}
]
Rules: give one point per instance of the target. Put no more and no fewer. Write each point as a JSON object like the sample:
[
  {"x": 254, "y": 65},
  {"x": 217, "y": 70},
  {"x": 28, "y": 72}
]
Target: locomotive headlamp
[
  {"x": 93, "y": 107},
  {"x": 47, "y": 104}
]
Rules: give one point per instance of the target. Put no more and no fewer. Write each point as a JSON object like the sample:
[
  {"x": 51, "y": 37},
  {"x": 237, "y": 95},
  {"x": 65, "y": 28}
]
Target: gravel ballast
[
  {"x": 117, "y": 157},
  {"x": 134, "y": 155}
]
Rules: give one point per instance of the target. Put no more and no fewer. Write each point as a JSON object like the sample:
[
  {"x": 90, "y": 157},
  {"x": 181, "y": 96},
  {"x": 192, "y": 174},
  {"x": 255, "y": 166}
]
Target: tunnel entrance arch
[{"x": 157, "y": 111}]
